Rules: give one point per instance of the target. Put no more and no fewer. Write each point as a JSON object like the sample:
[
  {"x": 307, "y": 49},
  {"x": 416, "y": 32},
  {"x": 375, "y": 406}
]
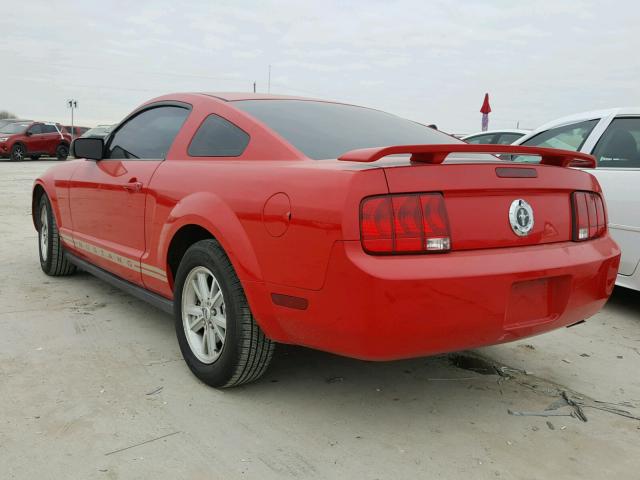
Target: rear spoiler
[{"x": 437, "y": 153}]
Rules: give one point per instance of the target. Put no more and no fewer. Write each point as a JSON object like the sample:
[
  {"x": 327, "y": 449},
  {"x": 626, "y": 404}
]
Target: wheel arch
[
  {"x": 205, "y": 215},
  {"x": 186, "y": 236},
  {"x": 36, "y": 195},
  {"x": 39, "y": 190}
]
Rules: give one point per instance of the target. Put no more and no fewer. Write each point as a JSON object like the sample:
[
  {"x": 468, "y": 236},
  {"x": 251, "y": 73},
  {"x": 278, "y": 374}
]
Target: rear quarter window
[{"x": 218, "y": 137}]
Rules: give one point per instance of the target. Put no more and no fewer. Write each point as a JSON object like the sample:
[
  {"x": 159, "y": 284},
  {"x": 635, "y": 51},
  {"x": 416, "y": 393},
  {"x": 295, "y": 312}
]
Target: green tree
[{"x": 4, "y": 114}]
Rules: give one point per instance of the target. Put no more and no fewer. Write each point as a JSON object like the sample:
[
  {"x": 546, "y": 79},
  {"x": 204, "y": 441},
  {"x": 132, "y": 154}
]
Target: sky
[{"x": 430, "y": 61}]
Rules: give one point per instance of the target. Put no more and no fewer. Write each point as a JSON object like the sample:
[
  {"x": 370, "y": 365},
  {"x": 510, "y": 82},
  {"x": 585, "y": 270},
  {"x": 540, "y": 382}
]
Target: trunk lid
[{"x": 479, "y": 196}]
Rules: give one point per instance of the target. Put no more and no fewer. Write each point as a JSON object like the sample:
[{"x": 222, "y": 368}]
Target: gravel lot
[{"x": 92, "y": 385}]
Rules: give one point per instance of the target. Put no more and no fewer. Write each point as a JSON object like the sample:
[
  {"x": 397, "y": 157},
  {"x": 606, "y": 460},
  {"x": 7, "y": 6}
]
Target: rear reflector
[
  {"x": 411, "y": 223},
  {"x": 289, "y": 301},
  {"x": 589, "y": 219}
]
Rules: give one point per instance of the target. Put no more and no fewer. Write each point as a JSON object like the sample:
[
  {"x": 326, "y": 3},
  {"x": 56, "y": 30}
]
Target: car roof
[
  {"x": 501, "y": 130},
  {"x": 236, "y": 96},
  {"x": 589, "y": 115}
]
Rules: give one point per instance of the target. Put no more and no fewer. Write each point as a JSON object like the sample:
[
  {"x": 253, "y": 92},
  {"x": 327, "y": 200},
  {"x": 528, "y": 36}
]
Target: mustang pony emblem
[{"x": 521, "y": 217}]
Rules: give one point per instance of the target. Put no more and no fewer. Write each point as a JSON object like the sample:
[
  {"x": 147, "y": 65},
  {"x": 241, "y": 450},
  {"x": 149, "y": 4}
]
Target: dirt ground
[{"x": 93, "y": 386}]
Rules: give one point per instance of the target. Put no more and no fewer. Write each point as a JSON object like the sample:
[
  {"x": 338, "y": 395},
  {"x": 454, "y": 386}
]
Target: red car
[
  {"x": 20, "y": 140},
  {"x": 259, "y": 219}
]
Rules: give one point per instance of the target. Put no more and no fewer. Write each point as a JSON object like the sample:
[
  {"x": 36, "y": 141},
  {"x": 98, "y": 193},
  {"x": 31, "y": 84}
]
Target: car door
[
  {"x": 618, "y": 155},
  {"x": 35, "y": 140},
  {"x": 50, "y": 139},
  {"x": 107, "y": 197}
]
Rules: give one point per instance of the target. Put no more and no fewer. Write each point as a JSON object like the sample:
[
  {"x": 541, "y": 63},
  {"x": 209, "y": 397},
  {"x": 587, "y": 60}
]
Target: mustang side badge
[{"x": 521, "y": 217}]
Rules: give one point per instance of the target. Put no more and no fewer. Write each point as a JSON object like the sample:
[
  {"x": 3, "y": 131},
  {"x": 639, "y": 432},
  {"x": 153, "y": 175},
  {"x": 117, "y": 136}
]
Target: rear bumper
[{"x": 383, "y": 308}]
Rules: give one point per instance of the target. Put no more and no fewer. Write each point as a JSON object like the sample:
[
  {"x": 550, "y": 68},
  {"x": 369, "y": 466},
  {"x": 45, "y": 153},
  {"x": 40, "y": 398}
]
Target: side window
[
  {"x": 218, "y": 137},
  {"x": 481, "y": 139},
  {"x": 49, "y": 129},
  {"x": 508, "y": 138},
  {"x": 149, "y": 134},
  {"x": 36, "y": 129},
  {"x": 619, "y": 145}
]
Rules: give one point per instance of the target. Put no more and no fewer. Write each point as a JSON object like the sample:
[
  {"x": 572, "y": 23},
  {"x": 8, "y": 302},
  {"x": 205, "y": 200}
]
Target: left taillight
[
  {"x": 589, "y": 217},
  {"x": 405, "y": 223}
]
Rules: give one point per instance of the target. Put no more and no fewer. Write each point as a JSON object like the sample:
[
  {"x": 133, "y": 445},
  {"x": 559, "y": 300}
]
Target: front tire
[
  {"x": 18, "y": 152},
  {"x": 62, "y": 152},
  {"x": 218, "y": 336},
  {"x": 52, "y": 259}
]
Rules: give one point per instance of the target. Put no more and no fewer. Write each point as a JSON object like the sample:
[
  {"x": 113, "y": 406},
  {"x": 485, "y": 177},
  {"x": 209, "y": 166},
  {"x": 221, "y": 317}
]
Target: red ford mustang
[{"x": 260, "y": 219}]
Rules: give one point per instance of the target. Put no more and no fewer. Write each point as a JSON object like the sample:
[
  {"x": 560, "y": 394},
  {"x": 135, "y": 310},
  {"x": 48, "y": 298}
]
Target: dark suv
[{"x": 19, "y": 140}]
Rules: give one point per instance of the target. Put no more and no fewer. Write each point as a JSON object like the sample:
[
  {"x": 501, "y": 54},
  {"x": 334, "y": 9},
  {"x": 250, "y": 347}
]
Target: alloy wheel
[
  {"x": 204, "y": 314},
  {"x": 44, "y": 232}
]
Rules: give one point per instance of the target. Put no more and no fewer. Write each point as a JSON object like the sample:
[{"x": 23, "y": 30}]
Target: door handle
[{"x": 133, "y": 186}]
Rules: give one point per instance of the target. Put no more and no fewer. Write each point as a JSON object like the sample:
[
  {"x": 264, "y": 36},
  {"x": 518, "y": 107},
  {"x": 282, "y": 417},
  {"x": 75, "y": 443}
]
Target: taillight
[
  {"x": 589, "y": 219},
  {"x": 412, "y": 223}
]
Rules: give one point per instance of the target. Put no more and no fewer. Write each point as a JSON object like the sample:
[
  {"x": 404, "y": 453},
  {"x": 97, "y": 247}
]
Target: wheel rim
[
  {"x": 62, "y": 151},
  {"x": 18, "y": 153},
  {"x": 204, "y": 316},
  {"x": 44, "y": 232}
]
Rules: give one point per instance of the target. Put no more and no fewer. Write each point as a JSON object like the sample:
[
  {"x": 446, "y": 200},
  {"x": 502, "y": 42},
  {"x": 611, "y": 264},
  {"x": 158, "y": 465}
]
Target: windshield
[
  {"x": 323, "y": 130},
  {"x": 566, "y": 137},
  {"x": 97, "y": 131},
  {"x": 14, "y": 128}
]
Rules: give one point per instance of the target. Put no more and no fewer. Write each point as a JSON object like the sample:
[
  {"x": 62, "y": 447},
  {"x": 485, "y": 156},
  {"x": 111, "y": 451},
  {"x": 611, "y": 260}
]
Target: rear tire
[
  {"x": 209, "y": 303},
  {"x": 62, "y": 152},
  {"x": 18, "y": 152},
  {"x": 52, "y": 259}
]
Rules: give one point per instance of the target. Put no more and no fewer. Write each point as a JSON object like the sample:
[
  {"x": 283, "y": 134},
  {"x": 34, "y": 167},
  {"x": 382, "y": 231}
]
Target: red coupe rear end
[{"x": 459, "y": 255}]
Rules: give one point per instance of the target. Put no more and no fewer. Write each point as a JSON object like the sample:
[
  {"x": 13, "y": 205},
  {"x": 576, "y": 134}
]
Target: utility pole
[
  {"x": 269, "y": 81},
  {"x": 72, "y": 104}
]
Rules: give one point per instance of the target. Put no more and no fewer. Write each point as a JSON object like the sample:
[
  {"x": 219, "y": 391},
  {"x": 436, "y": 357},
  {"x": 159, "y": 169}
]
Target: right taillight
[
  {"x": 405, "y": 223},
  {"x": 589, "y": 218}
]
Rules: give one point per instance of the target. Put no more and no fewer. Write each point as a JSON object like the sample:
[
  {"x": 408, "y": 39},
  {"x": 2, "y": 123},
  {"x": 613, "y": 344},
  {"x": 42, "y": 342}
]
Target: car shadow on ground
[{"x": 625, "y": 301}]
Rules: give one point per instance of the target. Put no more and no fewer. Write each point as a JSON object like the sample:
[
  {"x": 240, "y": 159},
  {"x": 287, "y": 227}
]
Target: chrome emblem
[{"x": 521, "y": 217}]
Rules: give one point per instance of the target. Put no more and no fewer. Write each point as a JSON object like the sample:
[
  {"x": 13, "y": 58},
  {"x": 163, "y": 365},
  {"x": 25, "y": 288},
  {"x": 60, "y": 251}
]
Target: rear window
[{"x": 323, "y": 130}]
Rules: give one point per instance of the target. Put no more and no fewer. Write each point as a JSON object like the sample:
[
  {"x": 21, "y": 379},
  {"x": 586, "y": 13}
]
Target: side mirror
[
  {"x": 28, "y": 133},
  {"x": 89, "y": 148}
]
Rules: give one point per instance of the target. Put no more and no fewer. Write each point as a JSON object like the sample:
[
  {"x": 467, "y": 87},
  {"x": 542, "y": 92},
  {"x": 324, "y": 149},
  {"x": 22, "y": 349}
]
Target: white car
[
  {"x": 496, "y": 137},
  {"x": 613, "y": 137}
]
